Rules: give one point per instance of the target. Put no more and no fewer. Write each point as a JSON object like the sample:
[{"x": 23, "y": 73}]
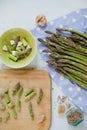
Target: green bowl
[{"x": 5, "y": 40}]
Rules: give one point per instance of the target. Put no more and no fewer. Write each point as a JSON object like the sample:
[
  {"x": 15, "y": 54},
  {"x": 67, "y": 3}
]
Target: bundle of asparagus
[{"x": 68, "y": 54}]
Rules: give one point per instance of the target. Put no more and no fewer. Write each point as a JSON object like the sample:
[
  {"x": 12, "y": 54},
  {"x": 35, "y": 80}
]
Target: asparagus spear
[
  {"x": 14, "y": 114},
  {"x": 59, "y": 56},
  {"x": 78, "y": 38},
  {"x": 12, "y": 57},
  {"x": 83, "y": 76},
  {"x": 73, "y": 31},
  {"x": 68, "y": 43},
  {"x": 7, "y": 98},
  {"x": 16, "y": 88},
  {"x": 40, "y": 96},
  {"x": 31, "y": 111},
  {"x": 62, "y": 47},
  {"x": 18, "y": 105},
  {"x": 20, "y": 91},
  {"x": 58, "y": 64},
  {"x": 31, "y": 95},
  {"x": 24, "y": 42},
  {"x": 28, "y": 92},
  {"x": 68, "y": 62},
  {"x": 10, "y": 105},
  {"x": 70, "y": 75},
  {"x": 72, "y": 78}
]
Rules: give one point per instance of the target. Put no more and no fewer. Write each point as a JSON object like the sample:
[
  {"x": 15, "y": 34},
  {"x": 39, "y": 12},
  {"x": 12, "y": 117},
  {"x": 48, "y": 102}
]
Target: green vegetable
[
  {"x": 24, "y": 42},
  {"x": 22, "y": 53},
  {"x": 10, "y": 105},
  {"x": 18, "y": 105},
  {"x": 14, "y": 58},
  {"x": 14, "y": 114},
  {"x": 31, "y": 111},
  {"x": 7, "y": 98},
  {"x": 40, "y": 96},
  {"x": 16, "y": 88},
  {"x": 6, "y": 117},
  {"x": 20, "y": 91},
  {"x": 2, "y": 106},
  {"x": 73, "y": 31},
  {"x": 28, "y": 92},
  {"x": 31, "y": 95},
  {"x": 17, "y": 49},
  {"x": 68, "y": 54},
  {"x": 13, "y": 91}
]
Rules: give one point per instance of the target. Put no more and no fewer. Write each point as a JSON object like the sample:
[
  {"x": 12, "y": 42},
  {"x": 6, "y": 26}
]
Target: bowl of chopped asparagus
[{"x": 17, "y": 48}]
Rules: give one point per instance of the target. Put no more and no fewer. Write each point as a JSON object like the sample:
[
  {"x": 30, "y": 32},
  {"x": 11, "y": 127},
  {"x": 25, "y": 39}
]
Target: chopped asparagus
[
  {"x": 4, "y": 90},
  {"x": 31, "y": 111},
  {"x": 31, "y": 95},
  {"x": 12, "y": 57},
  {"x": 14, "y": 114},
  {"x": 2, "y": 106},
  {"x": 6, "y": 117},
  {"x": 16, "y": 88},
  {"x": 11, "y": 105},
  {"x": 40, "y": 96},
  {"x": 24, "y": 42},
  {"x": 28, "y": 92},
  {"x": 13, "y": 91},
  {"x": 20, "y": 91},
  {"x": 7, "y": 98},
  {"x": 17, "y": 49},
  {"x": 18, "y": 105}
]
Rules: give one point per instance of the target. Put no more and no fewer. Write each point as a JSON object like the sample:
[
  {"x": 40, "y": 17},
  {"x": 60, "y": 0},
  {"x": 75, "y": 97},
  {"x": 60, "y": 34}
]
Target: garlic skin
[
  {"x": 41, "y": 20},
  {"x": 61, "y": 109},
  {"x": 42, "y": 117}
]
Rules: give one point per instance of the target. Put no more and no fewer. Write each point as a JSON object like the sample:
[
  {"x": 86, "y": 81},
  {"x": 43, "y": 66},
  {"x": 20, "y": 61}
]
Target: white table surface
[{"x": 22, "y": 13}]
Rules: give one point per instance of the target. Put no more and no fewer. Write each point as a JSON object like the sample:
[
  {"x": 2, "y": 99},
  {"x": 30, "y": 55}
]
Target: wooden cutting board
[{"x": 29, "y": 79}]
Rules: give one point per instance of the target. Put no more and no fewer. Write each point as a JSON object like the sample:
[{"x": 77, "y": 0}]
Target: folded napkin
[{"x": 75, "y": 20}]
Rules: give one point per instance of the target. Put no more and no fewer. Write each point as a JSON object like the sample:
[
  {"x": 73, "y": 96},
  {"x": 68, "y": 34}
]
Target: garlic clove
[
  {"x": 41, "y": 20},
  {"x": 42, "y": 117}
]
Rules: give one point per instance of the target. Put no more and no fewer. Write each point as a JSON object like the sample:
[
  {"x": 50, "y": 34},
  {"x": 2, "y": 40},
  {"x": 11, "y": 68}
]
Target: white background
[{"x": 22, "y": 13}]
